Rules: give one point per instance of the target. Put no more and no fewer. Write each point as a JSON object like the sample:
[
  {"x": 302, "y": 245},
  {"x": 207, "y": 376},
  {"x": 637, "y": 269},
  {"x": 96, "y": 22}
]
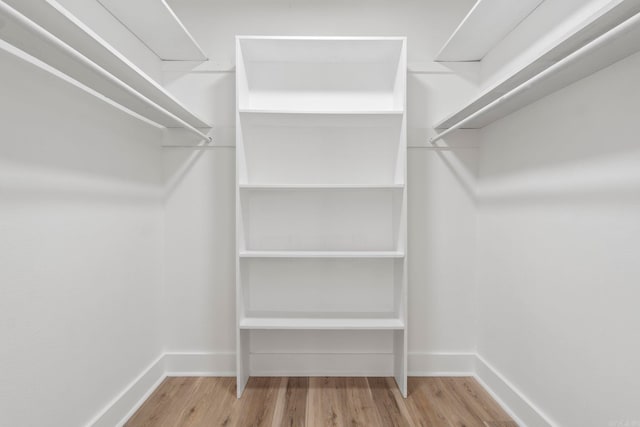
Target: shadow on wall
[
  {"x": 458, "y": 151},
  {"x": 199, "y": 293},
  {"x": 579, "y": 144},
  {"x": 80, "y": 243},
  {"x": 199, "y": 249},
  {"x": 69, "y": 131}
]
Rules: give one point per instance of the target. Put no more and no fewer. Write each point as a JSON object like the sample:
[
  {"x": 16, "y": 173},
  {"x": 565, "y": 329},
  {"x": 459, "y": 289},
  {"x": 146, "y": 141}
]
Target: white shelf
[
  {"x": 54, "y": 24},
  {"x": 153, "y": 22},
  {"x": 321, "y": 75},
  {"x": 486, "y": 24},
  {"x": 603, "y": 51},
  {"x": 321, "y": 186},
  {"x": 321, "y": 254},
  {"x": 323, "y": 112},
  {"x": 324, "y": 323}
]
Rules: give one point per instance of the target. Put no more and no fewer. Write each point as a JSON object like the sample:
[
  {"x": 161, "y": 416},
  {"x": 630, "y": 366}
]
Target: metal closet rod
[
  {"x": 31, "y": 26},
  {"x": 564, "y": 62}
]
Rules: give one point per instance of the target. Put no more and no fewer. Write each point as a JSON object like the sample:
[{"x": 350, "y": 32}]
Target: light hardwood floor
[{"x": 320, "y": 401}]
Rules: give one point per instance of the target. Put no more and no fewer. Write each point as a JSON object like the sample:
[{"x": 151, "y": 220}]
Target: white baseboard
[
  {"x": 512, "y": 400},
  {"x": 120, "y": 409},
  {"x": 297, "y": 364},
  {"x": 211, "y": 364},
  {"x": 321, "y": 364},
  {"x": 517, "y": 405},
  {"x": 441, "y": 364}
]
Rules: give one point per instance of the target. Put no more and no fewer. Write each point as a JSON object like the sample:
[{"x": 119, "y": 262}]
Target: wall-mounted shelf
[
  {"x": 51, "y": 34},
  {"x": 346, "y": 110},
  {"x": 607, "y": 38},
  {"x": 321, "y": 254},
  {"x": 320, "y": 323},
  {"x": 488, "y": 22},
  {"x": 158, "y": 27},
  {"x": 321, "y": 186}
]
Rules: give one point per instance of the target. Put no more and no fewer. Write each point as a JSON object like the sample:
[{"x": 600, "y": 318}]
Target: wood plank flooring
[{"x": 320, "y": 401}]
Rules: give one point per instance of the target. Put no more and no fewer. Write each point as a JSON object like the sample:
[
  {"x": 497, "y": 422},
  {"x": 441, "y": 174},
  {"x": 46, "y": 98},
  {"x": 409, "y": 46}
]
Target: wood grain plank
[
  {"x": 453, "y": 406},
  {"x": 361, "y": 408},
  {"x": 477, "y": 399},
  {"x": 218, "y": 404},
  {"x": 295, "y": 405},
  {"x": 425, "y": 407},
  {"x": 165, "y": 404},
  {"x": 324, "y": 405},
  {"x": 259, "y": 401},
  {"x": 320, "y": 401},
  {"x": 391, "y": 408}
]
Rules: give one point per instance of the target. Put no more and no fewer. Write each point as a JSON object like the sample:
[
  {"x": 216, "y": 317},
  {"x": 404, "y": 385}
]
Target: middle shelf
[
  {"x": 321, "y": 254},
  {"x": 320, "y": 323},
  {"x": 320, "y": 186}
]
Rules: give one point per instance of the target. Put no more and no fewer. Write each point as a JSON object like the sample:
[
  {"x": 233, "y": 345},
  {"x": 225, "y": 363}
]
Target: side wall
[
  {"x": 80, "y": 249},
  {"x": 559, "y": 239}
]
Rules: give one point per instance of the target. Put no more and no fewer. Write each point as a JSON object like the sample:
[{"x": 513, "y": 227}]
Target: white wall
[
  {"x": 80, "y": 249},
  {"x": 200, "y": 227},
  {"x": 559, "y": 238}
]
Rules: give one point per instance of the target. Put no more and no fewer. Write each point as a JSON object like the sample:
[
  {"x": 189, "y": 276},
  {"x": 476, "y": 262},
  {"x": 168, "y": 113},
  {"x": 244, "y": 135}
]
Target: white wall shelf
[
  {"x": 322, "y": 112},
  {"x": 320, "y": 323},
  {"x": 486, "y": 24},
  {"x": 606, "y": 38},
  {"x": 321, "y": 186},
  {"x": 321, "y": 254},
  {"x": 158, "y": 27},
  {"x": 51, "y": 34},
  {"x": 321, "y": 195}
]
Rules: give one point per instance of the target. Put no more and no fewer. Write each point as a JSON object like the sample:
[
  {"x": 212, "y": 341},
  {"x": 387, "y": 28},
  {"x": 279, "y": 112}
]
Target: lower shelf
[
  {"x": 320, "y": 323},
  {"x": 320, "y": 254}
]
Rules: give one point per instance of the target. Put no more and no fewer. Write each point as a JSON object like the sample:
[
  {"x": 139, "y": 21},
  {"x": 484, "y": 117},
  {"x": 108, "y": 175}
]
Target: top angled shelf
[
  {"x": 321, "y": 75},
  {"x": 607, "y": 37},
  {"x": 49, "y": 27},
  {"x": 488, "y": 22},
  {"x": 153, "y": 22}
]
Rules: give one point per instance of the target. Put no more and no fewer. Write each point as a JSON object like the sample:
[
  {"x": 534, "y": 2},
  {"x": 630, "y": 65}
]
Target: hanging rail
[
  {"x": 568, "y": 60},
  {"x": 43, "y": 34}
]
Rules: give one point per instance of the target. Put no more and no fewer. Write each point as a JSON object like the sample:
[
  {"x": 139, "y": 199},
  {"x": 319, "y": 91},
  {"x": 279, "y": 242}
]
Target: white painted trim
[
  {"x": 223, "y": 364},
  {"x": 427, "y": 364},
  {"x": 201, "y": 364},
  {"x": 217, "y": 67},
  {"x": 523, "y": 411},
  {"x": 321, "y": 364},
  {"x": 123, "y": 406}
]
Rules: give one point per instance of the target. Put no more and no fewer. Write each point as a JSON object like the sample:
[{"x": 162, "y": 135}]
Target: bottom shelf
[{"x": 320, "y": 323}]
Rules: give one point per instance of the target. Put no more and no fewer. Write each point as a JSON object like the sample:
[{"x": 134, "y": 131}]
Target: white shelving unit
[
  {"x": 53, "y": 35},
  {"x": 610, "y": 35},
  {"x": 321, "y": 189}
]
